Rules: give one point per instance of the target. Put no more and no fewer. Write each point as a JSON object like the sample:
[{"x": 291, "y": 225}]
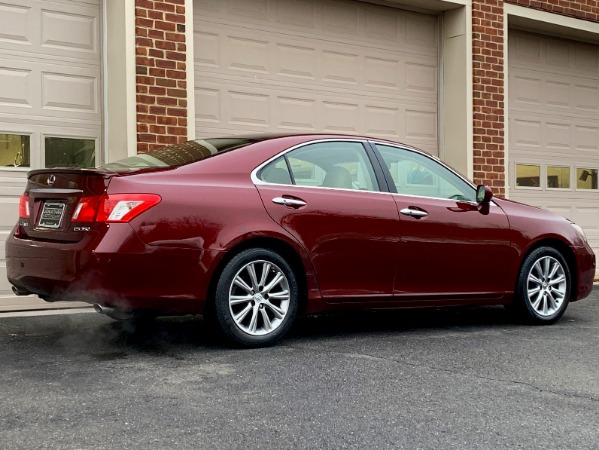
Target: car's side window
[
  {"x": 416, "y": 174},
  {"x": 333, "y": 164},
  {"x": 276, "y": 172}
]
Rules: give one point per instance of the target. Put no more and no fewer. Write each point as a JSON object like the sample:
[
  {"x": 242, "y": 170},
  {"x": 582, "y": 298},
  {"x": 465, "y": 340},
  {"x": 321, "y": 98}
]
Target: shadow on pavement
[{"x": 105, "y": 339}]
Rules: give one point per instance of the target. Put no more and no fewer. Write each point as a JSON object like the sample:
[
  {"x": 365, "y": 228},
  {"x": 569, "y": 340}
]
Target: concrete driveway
[{"x": 447, "y": 378}]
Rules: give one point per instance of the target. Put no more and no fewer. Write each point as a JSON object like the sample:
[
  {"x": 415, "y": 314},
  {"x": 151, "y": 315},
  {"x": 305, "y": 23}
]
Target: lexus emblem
[{"x": 51, "y": 180}]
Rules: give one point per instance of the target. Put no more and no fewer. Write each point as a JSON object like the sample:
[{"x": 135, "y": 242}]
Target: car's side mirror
[{"x": 483, "y": 194}]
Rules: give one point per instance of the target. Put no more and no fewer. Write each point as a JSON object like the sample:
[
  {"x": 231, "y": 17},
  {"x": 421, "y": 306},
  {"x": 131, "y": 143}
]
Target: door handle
[
  {"x": 291, "y": 202},
  {"x": 417, "y": 213}
]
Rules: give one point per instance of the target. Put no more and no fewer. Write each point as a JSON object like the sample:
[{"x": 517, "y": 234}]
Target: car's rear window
[{"x": 179, "y": 154}]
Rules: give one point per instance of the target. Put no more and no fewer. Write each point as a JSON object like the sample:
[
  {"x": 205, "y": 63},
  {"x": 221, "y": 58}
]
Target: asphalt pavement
[{"x": 415, "y": 379}]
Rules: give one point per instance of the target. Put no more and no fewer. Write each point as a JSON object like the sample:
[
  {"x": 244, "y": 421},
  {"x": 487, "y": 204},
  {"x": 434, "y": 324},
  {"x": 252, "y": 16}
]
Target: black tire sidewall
[
  {"x": 221, "y": 302},
  {"x": 522, "y": 304}
]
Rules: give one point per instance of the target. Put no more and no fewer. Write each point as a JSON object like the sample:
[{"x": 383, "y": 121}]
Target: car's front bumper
[{"x": 586, "y": 265}]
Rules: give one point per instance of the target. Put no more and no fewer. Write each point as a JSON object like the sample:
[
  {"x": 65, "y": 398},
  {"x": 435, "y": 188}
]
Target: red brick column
[
  {"x": 161, "y": 73},
  {"x": 488, "y": 94}
]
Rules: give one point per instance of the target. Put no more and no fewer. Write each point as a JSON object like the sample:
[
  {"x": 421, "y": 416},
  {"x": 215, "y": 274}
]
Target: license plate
[{"x": 52, "y": 215}]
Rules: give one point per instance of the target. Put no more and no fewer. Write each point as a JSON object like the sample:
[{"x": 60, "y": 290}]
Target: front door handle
[
  {"x": 291, "y": 202},
  {"x": 417, "y": 213}
]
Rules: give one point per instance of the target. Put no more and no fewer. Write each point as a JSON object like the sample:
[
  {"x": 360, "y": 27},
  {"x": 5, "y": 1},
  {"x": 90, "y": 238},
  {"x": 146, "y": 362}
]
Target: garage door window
[
  {"x": 14, "y": 150},
  {"x": 528, "y": 175},
  {"x": 586, "y": 178},
  {"x": 70, "y": 152},
  {"x": 558, "y": 177}
]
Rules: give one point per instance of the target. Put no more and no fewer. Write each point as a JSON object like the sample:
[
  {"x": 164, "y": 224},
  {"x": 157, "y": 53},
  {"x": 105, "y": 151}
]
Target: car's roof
[{"x": 309, "y": 136}]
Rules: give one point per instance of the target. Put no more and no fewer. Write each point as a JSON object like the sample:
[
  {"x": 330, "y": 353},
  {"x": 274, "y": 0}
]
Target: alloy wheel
[
  {"x": 546, "y": 286},
  {"x": 259, "y": 298}
]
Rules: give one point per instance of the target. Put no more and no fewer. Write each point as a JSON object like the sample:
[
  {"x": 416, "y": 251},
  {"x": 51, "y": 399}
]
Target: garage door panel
[
  {"x": 382, "y": 73},
  {"x": 545, "y": 137},
  {"x": 42, "y": 89},
  {"x": 70, "y": 93},
  {"x": 245, "y": 107},
  {"x": 295, "y": 61},
  {"x": 255, "y": 108},
  {"x": 554, "y": 93},
  {"x": 586, "y": 138},
  {"x": 49, "y": 29},
  {"x": 295, "y": 113},
  {"x": 421, "y": 32},
  {"x": 384, "y": 121},
  {"x": 355, "y": 23},
  {"x": 421, "y": 78},
  {"x": 10, "y": 123},
  {"x": 525, "y": 90},
  {"x": 17, "y": 86},
  {"x": 369, "y": 92},
  {"x": 420, "y": 125},
  {"x": 69, "y": 32},
  {"x": 17, "y": 25},
  {"x": 320, "y": 65},
  {"x": 558, "y": 137},
  {"x": 552, "y": 55},
  {"x": 586, "y": 97}
]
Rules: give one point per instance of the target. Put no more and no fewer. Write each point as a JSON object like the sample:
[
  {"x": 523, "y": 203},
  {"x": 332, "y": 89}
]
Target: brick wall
[
  {"x": 488, "y": 94},
  {"x": 161, "y": 73}
]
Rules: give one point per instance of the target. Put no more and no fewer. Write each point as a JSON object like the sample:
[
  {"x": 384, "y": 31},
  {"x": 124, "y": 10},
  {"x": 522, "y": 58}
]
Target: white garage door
[
  {"x": 50, "y": 101},
  {"x": 554, "y": 127},
  {"x": 315, "y": 65}
]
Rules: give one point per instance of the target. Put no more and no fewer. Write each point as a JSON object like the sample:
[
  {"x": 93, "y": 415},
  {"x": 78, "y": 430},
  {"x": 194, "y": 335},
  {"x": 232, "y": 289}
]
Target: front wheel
[
  {"x": 256, "y": 298},
  {"x": 543, "y": 288}
]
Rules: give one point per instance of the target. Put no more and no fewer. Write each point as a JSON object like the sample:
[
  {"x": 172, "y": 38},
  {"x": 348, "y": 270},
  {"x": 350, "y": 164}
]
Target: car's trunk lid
[{"x": 53, "y": 197}]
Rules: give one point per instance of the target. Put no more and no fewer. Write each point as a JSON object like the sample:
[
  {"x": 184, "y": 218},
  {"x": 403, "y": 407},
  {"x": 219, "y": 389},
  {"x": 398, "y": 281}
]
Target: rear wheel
[
  {"x": 256, "y": 298},
  {"x": 544, "y": 285}
]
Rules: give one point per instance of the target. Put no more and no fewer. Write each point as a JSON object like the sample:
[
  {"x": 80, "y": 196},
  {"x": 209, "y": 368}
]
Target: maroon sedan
[{"x": 252, "y": 231}]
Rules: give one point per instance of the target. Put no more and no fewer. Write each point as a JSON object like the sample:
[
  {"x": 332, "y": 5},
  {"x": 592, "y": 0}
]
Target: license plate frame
[{"x": 52, "y": 215}]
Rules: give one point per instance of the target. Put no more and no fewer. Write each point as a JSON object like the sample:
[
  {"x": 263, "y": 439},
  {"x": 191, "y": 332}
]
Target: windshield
[{"x": 178, "y": 154}]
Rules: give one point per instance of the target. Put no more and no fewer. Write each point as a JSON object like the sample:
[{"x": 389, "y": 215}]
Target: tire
[
  {"x": 543, "y": 288},
  {"x": 257, "y": 297}
]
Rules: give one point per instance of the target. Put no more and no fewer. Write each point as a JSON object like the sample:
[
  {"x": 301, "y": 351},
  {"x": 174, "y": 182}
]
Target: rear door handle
[
  {"x": 417, "y": 213},
  {"x": 291, "y": 202}
]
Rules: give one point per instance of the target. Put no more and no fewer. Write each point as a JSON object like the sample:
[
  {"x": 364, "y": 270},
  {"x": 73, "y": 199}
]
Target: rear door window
[{"x": 331, "y": 164}]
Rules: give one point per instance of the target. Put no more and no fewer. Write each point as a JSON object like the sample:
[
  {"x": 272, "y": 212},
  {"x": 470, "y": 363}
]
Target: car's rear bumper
[
  {"x": 113, "y": 267},
  {"x": 586, "y": 263}
]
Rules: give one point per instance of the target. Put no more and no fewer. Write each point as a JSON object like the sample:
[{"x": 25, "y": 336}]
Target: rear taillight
[
  {"x": 113, "y": 208},
  {"x": 86, "y": 209},
  {"x": 124, "y": 207},
  {"x": 24, "y": 207}
]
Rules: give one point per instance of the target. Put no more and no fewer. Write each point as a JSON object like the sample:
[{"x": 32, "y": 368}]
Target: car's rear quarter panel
[{"x": 207, "y": 210}]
